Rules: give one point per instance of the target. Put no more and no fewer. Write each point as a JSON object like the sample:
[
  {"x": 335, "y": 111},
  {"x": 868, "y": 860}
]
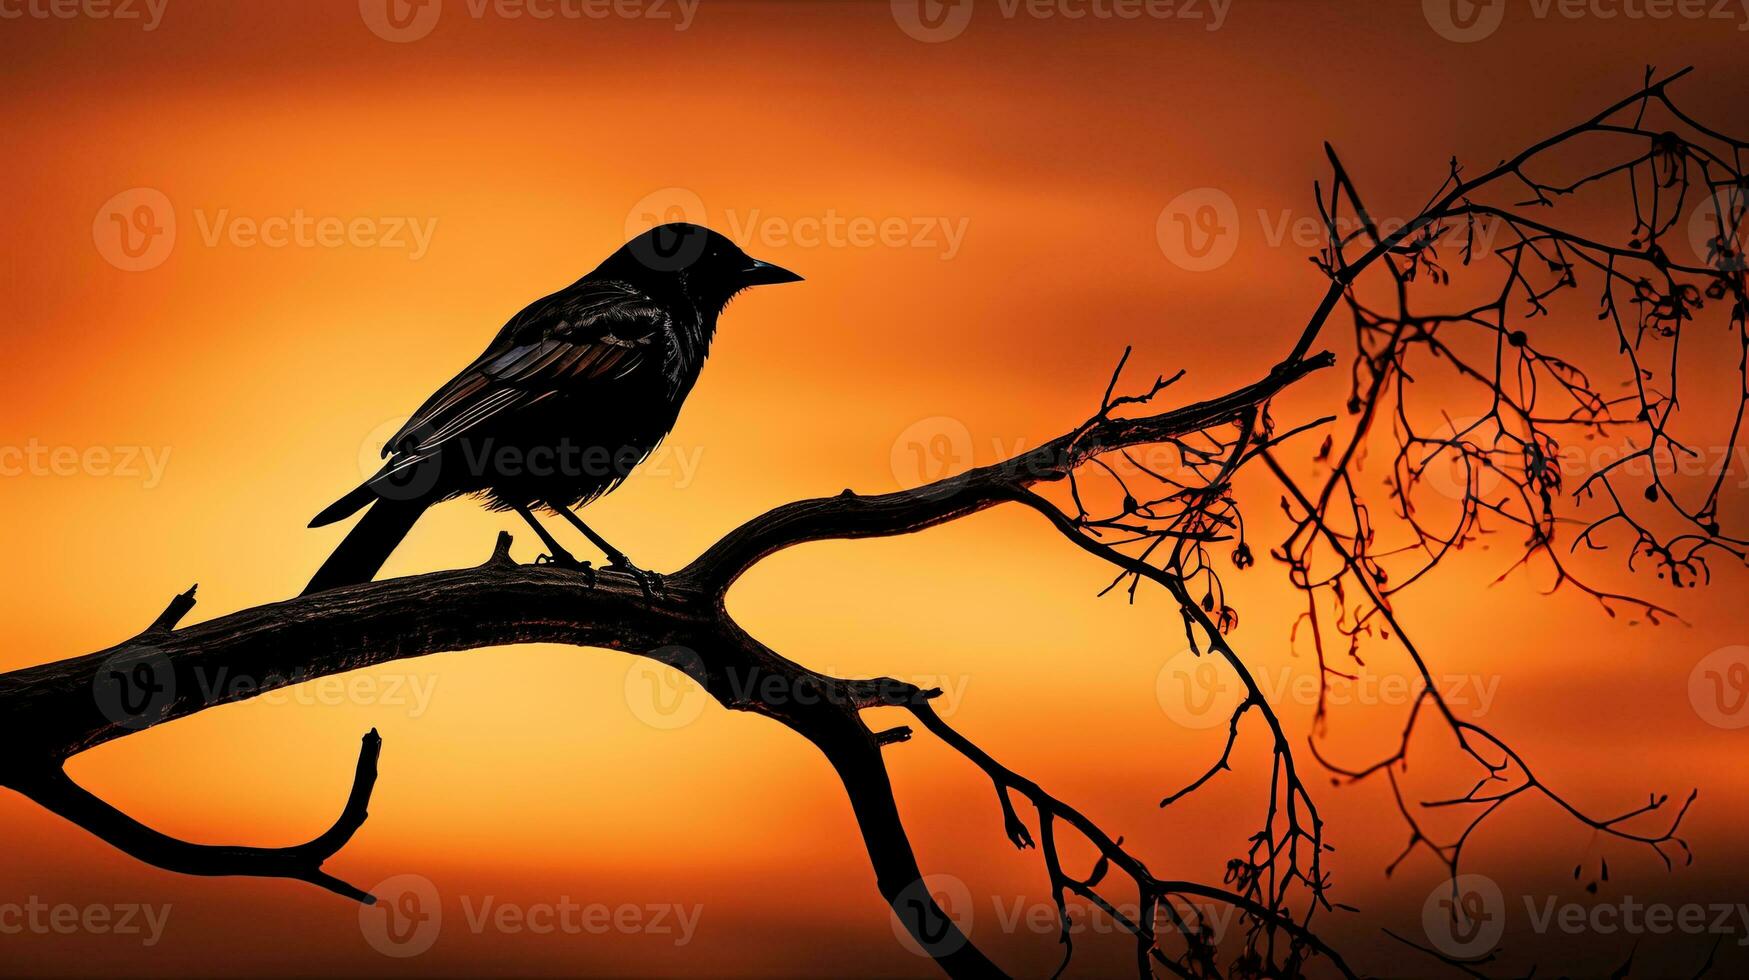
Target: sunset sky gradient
[{"x": 264, "y": 378}]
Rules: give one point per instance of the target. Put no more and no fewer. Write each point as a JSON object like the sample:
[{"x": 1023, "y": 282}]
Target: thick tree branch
[
  {"x": 54, "y": 791},
  {"x": 51, "y": 712},
  {"x": 852, "y": 516}
]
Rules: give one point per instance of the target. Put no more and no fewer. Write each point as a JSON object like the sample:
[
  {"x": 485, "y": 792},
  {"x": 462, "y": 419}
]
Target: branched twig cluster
[
  {"x": 1350, "y": 554},
  {"x": 1164, "y": 524},
  {"x": 1665, "y": 265}
]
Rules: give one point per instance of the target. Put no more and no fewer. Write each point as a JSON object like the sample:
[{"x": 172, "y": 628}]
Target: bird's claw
[
  {"x": 650, "y": 582},
  {"x": 569, "y": 562}
]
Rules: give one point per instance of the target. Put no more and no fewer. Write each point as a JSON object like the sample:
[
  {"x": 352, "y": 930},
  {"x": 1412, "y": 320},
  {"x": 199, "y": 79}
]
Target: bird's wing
[{"x": 589, "y": 334}]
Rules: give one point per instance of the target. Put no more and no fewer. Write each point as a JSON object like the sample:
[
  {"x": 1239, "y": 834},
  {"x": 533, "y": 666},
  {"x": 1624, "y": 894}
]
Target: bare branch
[{"x": 51, "y": 712}]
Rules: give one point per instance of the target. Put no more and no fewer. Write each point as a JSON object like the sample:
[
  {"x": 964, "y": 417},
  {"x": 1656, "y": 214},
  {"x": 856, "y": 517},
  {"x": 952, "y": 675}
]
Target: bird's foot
[
  {"x": 565, "y": 559},
  {"x": 650, "y": 582}
]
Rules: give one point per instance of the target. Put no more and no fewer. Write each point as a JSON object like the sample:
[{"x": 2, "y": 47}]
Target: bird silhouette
[{"x": 572, "y": 393}]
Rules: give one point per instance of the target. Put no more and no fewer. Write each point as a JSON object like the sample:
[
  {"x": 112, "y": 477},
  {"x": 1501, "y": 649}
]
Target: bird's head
[{"x": 691, "y": 261}]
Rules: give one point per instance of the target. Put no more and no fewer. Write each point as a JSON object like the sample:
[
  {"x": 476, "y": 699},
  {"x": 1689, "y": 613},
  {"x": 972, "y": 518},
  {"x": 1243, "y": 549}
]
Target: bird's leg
[
  {"x": 556, "y": 553},
  {"x": 615, "y": 557}
]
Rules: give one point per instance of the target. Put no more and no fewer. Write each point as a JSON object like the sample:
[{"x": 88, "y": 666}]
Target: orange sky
[{"x": 1028, "y": 160}]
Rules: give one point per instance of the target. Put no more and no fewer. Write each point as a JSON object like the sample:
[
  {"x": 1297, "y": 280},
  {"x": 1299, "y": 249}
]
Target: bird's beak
[{"x": 765, "y": 274}]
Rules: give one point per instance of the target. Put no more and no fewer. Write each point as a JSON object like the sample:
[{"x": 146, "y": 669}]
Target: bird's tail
[
  {"x": 346, "y": 506},
  {"x": 369, "y": 543}
]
